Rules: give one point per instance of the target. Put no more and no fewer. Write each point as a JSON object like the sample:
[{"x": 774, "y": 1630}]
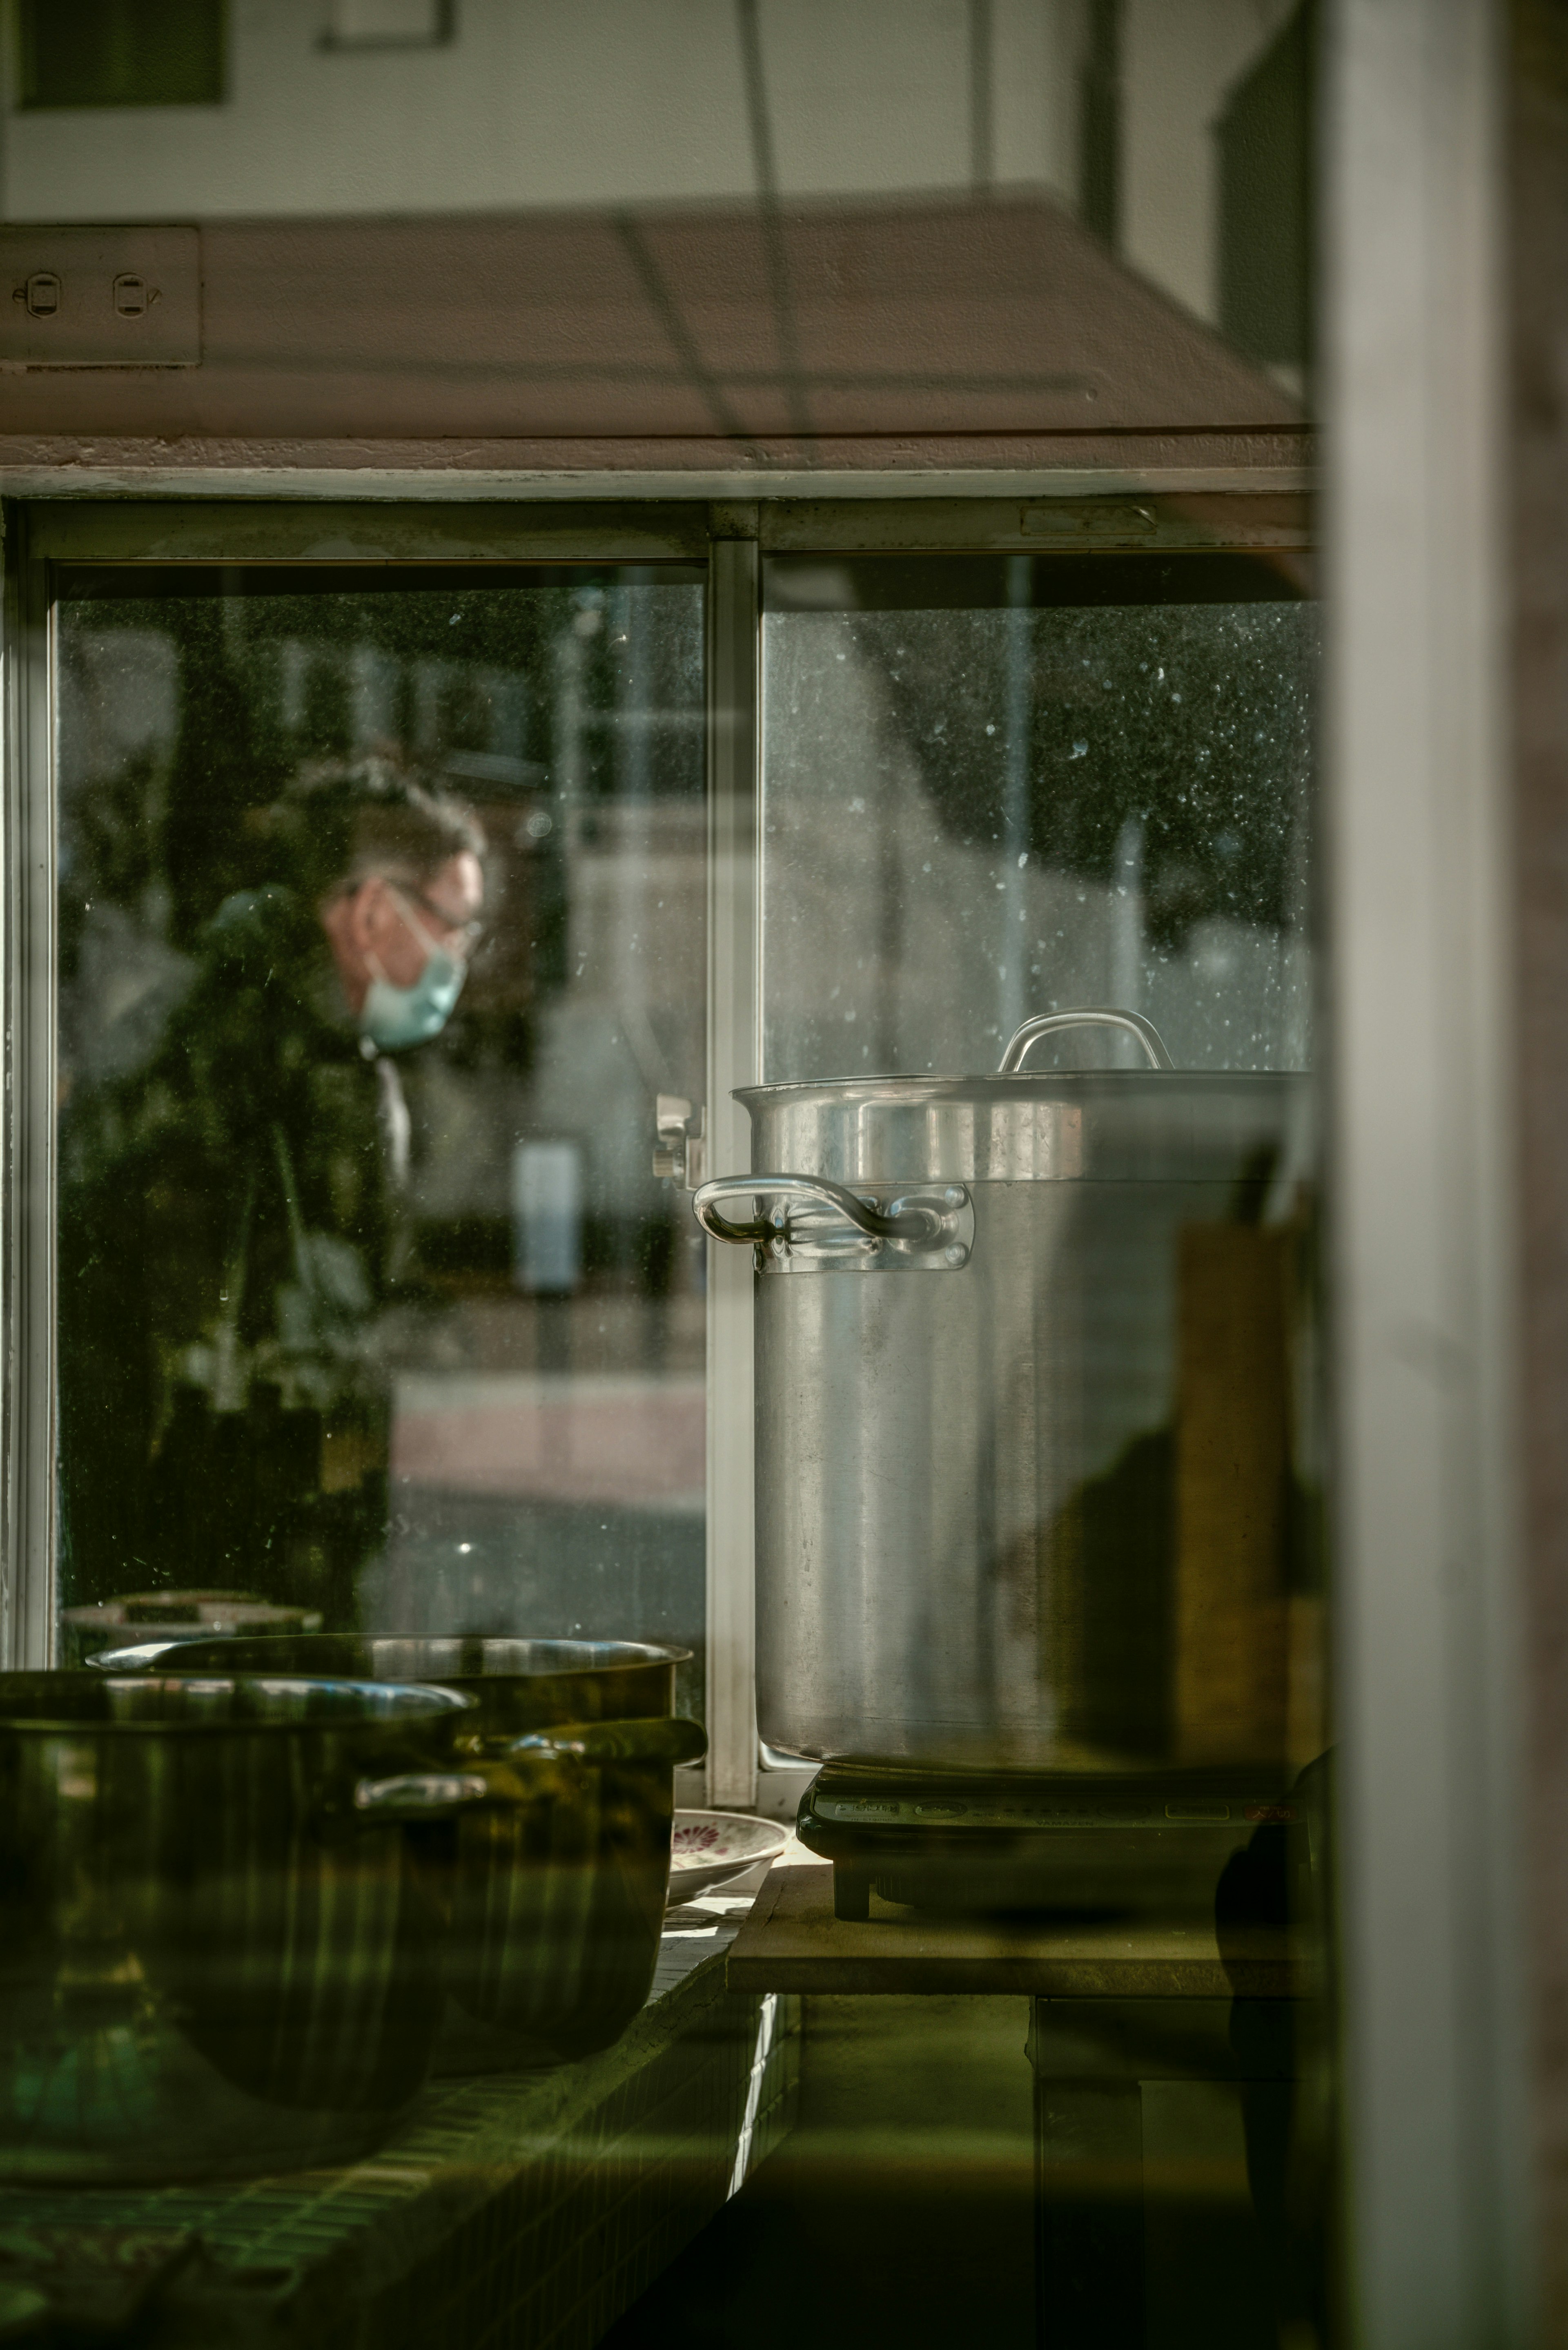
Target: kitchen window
[{"x": 985, "y": 784}]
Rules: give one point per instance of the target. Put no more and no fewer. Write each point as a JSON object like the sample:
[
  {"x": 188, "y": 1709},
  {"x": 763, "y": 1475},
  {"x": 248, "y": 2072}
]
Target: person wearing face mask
[{"x": 233, "y": 1238}]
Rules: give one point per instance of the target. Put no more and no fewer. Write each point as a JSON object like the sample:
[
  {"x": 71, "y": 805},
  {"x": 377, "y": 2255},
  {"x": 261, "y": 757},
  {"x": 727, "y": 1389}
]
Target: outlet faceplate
[{"x": 77, "y": 297}]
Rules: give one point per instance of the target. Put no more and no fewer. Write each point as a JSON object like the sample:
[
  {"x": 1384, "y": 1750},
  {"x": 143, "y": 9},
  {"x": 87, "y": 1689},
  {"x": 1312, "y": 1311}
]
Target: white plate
[{"x": 708, "y": 1848}]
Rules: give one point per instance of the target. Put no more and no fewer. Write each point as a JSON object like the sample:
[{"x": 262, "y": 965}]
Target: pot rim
[
  {"x": 907, "y": 1085},
  {"x": 634, "y": 1656},
  {"x": 441, "y": 1700}
]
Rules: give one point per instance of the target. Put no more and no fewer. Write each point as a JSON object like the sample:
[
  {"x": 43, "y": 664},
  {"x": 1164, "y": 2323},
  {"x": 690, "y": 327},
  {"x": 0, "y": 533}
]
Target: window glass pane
[
  {"x": 997, "y": 788},
  {"x": 1000, "y": 786},
  {"x": 360, "y": 1311}
]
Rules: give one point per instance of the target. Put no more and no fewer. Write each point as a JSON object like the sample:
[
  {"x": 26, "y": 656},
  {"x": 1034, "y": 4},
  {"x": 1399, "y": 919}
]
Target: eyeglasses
[{"x": 469, "y": 933}]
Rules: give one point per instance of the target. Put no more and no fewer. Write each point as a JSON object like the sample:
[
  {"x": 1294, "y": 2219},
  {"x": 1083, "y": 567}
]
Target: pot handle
[
  {"x": 1089, "y": 1015},
  {"x": 425, "y": 1795},
  {"x": 438, "y": 1794},
  {"x": 668, "y": 1738},
  {"x": 924, "y": 1222},
  {"x": 133, "y": 1661}
]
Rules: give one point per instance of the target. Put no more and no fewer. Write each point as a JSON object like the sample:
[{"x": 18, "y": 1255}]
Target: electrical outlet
[{"x": 76, "y": 297}]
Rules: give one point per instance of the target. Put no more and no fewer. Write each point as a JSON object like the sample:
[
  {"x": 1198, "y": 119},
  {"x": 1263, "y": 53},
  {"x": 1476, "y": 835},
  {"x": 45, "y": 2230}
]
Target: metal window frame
[
  {"x": 734, "y": 1058},
  {"x": 28, "y": 1579},
  {"x": 1233, "y": 509}
]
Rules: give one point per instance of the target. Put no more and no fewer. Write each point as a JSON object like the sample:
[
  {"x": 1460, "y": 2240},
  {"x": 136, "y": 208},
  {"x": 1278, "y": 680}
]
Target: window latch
[{"x": 681, "y": 1151}]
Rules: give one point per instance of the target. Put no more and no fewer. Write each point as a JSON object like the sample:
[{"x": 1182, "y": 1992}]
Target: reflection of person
[{"x": 229, "y": 1216}]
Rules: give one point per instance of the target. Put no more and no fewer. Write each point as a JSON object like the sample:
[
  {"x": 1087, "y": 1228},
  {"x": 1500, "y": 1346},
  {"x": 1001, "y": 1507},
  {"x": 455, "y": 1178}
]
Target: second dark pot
[
  {"x": 215, "y": 1956},
  {"x": 553, "y": 1908}
]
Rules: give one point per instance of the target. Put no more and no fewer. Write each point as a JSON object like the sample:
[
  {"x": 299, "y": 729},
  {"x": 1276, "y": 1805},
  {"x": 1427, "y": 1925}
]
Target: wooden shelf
[{"x": 792, "y": 1942}]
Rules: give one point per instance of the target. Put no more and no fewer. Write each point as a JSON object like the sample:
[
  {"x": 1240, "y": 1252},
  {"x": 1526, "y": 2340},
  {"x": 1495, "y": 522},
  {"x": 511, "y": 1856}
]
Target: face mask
[{"x": 396, "y": 1018}]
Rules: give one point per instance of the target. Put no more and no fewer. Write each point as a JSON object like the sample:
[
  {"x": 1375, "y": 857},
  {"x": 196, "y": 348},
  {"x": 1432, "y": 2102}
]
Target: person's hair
[{"x": 349, "y": 820}]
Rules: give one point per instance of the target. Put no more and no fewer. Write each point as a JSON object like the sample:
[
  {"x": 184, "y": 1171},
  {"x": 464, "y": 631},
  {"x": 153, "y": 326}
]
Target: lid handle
[{"x": 1088, "y": 1015}]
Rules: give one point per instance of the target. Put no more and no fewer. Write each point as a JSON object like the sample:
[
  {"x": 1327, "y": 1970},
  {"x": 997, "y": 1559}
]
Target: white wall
[
  {"x": 1181, "y": 58},
  {"x": 536, "y": 103},
  {"x": 540, "y": 104}
]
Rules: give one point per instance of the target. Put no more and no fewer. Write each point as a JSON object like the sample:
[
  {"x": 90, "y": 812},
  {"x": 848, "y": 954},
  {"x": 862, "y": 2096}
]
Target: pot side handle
[
  {"x": 666, "y": 1739},
  {"x": 136, "y": 1660},
  {"x": 412, "y": 1795},
  {"x": 924, "y": 1222},
  {"x": 1087, "y": 1015},
  {"x": 424, "y": 1795}
]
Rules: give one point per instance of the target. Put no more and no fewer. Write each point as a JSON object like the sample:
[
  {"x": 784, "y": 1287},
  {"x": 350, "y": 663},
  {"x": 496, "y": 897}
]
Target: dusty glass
[
  {"x": 412, "y": 1338},
  {"x": 1000, "y": 786},
  {"x": 995, "y": 788}
]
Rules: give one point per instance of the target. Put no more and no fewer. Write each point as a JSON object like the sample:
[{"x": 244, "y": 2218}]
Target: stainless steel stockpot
[
  {"x": 215, "y": 1955},
  {"x": 552, "y": 1906},
  {"x": 1027, "y": 1401}
]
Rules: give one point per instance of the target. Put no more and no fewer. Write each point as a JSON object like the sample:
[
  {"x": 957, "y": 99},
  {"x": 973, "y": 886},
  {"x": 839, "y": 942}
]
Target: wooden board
[{"x": 792, "y": 1942}]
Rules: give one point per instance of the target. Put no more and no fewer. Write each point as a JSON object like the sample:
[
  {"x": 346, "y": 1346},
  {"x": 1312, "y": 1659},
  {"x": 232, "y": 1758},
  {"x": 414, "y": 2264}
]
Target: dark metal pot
[
  {"x": 216, "y": 1956},
  {"x": 553, "y": 1908}
]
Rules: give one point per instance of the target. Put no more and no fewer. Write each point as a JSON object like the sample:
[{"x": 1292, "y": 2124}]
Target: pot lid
[{"x": 1157, "y": 1124}]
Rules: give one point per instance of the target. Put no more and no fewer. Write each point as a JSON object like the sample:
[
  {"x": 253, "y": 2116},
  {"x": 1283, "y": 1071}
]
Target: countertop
[
  {"x": 790, "y": 1941},
  {"x": 533, "y": 2205}
]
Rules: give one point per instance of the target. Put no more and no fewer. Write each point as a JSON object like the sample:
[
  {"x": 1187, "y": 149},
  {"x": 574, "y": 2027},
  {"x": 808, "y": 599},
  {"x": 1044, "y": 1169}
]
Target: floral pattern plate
[{"x": 708, "y": 1848}]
